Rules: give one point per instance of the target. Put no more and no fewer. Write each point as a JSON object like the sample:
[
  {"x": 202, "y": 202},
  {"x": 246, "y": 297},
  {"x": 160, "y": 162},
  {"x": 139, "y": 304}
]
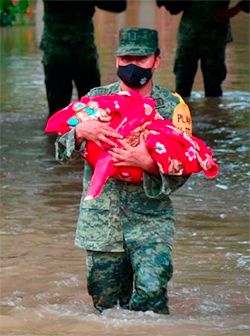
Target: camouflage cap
[{"x": 137, "y": 42}]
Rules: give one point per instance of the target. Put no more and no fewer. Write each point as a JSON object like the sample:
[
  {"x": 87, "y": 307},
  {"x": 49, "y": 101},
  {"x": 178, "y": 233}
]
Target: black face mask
[{"x": 134, "y": 76}]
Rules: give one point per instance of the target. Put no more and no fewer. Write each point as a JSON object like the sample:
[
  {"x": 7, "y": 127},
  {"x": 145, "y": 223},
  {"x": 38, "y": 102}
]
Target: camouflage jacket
[{"x": 134, "y": 213}]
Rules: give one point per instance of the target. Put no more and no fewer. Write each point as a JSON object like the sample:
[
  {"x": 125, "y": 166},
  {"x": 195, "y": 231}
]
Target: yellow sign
[{"x": 182, "y": 117}]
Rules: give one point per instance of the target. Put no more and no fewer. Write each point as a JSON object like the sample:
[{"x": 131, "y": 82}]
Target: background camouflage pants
[
  {"x": 136, "y": 279},
  {"x": 212, "y": 61},
  {"x": 67, "y": 65}
]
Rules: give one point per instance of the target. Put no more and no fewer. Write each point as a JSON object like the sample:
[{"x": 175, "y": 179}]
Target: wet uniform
[
  {"x": 69, "y": 48},
  {"x": 132, "y": 223},
  {"x": 200, "y": 37}
]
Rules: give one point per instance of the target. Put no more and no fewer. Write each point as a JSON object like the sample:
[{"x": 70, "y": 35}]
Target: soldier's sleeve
[
  {"x": 245, "y": 6},
  {"x": 155, "y": 186},
  {"x": 173, "y": 6},
  {"x": 65, "y": 146},
  {"x": 117, "y": 6}
]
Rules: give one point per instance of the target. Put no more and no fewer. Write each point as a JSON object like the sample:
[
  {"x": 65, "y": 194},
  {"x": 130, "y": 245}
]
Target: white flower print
[
  {"x": 160, "y": 148},
  {"x": 191, "y": 153}
]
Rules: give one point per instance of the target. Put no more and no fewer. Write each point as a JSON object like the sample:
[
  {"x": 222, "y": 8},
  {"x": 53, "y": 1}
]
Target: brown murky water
[{"x": 43, "y": 287}]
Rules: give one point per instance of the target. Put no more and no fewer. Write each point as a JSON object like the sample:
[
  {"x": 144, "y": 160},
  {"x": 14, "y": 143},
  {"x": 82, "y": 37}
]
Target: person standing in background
[
  {"x": 69, "y": 51},
  {"x": 203, "y": 34}
]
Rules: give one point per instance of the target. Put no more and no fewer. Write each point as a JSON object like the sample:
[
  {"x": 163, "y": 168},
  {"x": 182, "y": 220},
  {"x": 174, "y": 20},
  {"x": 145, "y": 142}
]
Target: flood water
[{"x": 43, "y": 286}]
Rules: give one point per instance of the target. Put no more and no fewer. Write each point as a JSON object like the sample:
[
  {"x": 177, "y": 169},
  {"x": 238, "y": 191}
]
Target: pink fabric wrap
[{"x": 175, "y": 152}]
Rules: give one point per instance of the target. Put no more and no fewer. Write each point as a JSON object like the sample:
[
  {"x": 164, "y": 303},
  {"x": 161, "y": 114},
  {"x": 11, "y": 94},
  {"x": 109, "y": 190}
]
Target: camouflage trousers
[
  {"x": 135, "y": 279},
  {"x": 61, "y": 71},
  {"x": 213, "y": 68}
]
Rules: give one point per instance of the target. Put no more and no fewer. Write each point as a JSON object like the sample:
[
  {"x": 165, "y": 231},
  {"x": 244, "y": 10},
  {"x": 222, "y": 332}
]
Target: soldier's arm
[
  {"x": 224, "y": 13},
  {"x": 75, "y": 140},
  {"x": 244, "y": 6},
  {"x": 117, "y": 6},
  {"x": 72, "y": 143},
  {"x": 173, "y": 6},
  {"x": 137, "y": 156},
  {"x": 155, "y": 186},
  {"x": 97, "y": 132}
]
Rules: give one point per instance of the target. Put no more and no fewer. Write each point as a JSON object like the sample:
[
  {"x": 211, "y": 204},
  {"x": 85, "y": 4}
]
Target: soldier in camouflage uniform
[
  {"x": 128, "y": 230},
  {"x": 69, "y": 48},
  {"x": 203, "y": 34}
]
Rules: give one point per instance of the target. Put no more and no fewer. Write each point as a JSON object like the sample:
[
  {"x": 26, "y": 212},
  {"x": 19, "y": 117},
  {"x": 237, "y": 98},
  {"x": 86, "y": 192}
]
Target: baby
[{"x": 171, "y": 144}]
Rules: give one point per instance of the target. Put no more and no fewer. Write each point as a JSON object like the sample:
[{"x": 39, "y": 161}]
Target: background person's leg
[
  {"x": 86, "y": 73},
  {"x": 58, "y": 82},
  {"x": 214, "y": 70},
  {"x": 185, "y": 68}
]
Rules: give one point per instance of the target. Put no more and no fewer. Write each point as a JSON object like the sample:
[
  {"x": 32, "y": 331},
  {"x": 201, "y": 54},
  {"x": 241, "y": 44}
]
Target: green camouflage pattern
[
  {"x": 128, "y": 230},
  {"x": 125, "y": 212},
  {"x": 110, "y": 278},
  {"x": 137, "y": 42},
  {"x": 66, "y": 27},
  {"x": 201, "y": 36},
  {"x": 69, "y": 29},
  {"x": 198, "y": 24},
  {"x": 69, "y": 51}
]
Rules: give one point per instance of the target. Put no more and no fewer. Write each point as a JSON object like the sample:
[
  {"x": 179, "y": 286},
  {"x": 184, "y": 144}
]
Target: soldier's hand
[
  {"x": 137, "y": 156},
  {"x": 97, "y": 132}
]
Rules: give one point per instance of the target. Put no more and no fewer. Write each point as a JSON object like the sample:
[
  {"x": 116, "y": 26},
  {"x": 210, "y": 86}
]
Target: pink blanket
[{"x": 169, "y": 143}]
